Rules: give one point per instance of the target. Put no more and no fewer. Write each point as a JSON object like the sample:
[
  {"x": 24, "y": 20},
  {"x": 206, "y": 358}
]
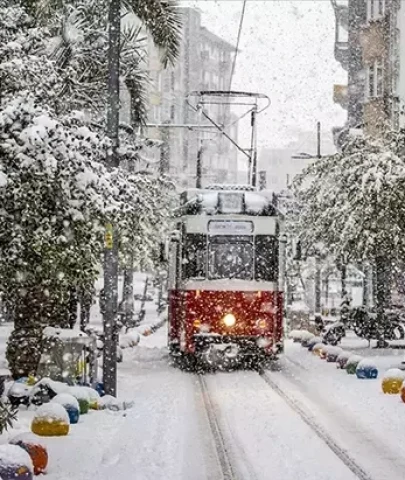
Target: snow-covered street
[{"x": 310, "y": 420}]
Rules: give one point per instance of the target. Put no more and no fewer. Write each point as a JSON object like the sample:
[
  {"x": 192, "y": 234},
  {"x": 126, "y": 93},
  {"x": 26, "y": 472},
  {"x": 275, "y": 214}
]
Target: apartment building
[
  {"x": 375, "y": 62},
  {"x": 204, "y": 64},
  {"x": 350, "y": 16}
]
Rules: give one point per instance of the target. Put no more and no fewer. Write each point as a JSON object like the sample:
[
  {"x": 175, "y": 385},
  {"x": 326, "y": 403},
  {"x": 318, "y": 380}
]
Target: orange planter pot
[{"x": 37, "y": 452}]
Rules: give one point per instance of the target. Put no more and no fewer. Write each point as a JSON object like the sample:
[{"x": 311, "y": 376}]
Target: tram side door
[{"x": 174, "y": 287}]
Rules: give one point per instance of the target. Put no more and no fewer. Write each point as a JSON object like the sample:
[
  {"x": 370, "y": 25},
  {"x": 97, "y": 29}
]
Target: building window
[
  {"x": 375, "y": 9},
  {"x": 375, "y": 80}
]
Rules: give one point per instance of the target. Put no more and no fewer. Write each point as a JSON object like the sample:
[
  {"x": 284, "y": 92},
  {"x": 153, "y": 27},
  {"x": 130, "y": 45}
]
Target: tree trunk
[
  {"x": 73, "y": 304},
  {"x": 128, "y": 293},
  {"x": 86, "y": 300},
  {"x": 383, "y": 285},
  {"x": 326, "y": 284},
  {"x": 366, "y": 286},
  {"x": 24, "y": 346},
  {"x": 343, "y": 272}
]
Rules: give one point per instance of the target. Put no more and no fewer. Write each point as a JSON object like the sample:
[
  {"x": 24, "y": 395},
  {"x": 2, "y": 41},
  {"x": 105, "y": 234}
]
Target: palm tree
[{"x": 79, "y": 31}]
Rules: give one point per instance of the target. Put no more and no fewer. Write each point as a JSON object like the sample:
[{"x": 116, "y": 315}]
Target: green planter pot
[
  {"x": 84, "y": 405},
  {"x": 351, "y": 368}
]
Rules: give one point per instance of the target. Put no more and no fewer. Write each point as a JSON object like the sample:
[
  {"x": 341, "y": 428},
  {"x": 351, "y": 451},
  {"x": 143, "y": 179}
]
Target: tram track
[
  {"x": 225, "y": 464},
  {"x": 317, "y": 428}
]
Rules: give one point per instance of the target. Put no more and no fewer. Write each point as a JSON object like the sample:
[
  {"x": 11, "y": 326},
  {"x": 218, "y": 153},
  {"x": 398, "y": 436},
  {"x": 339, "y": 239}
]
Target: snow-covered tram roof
[{"x": 235, "y": 201}]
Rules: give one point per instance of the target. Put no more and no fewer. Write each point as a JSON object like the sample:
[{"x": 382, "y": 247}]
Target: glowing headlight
[
  {"x": 262, "y": 324},
  {"x": 229, "y": 320}
]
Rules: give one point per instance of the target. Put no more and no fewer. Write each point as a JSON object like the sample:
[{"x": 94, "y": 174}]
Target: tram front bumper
[{"x": 244, "y": 345}]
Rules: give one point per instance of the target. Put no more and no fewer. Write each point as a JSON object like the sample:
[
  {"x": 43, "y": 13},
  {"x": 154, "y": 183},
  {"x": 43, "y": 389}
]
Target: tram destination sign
[{"x": 230, "y": 227}]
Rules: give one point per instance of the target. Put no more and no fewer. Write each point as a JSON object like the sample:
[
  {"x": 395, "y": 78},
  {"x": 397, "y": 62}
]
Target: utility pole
[
  {"x": 111, "y": 241},
  {"x": 198, "y": 179},
  {"x": 253, "y": 153},
  {"x": 318, "y": 139},
  {"x": 317, "y": 256},
  {"x": 317, "y": 283}
]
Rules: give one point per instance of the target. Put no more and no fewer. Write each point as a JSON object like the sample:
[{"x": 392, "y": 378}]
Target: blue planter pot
[
  {"x": 15, "y": 473},
  {"x": 73, "y": 413},
  {"x": 367, "y": 373}
]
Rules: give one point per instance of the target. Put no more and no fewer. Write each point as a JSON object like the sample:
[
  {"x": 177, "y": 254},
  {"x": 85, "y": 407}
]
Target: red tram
[{"x": 226, "y": 275}]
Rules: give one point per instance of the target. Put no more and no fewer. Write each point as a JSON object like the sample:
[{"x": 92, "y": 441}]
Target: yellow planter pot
[
  {"x": 392, "y": 386},
  {"x": 49, "y": 428}
]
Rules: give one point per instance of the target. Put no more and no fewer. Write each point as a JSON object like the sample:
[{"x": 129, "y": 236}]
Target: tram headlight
[
  {"x": 262, "y": 324},
  {"x": 229, "y": 320}
]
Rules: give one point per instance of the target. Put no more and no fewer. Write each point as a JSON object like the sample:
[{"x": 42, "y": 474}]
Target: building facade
[
  {"x": 204, "y": 64},
  {"x": 376, "y": 65}
]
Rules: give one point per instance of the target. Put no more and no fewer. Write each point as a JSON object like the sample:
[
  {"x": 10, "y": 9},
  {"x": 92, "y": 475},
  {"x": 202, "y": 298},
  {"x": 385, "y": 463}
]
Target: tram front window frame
[
  {"x": 224, "y": 268},
  {"x": 197, "y": 260}
]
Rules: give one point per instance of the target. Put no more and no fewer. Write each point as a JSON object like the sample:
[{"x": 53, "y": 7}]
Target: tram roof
[{"x": 214, "y": 201}]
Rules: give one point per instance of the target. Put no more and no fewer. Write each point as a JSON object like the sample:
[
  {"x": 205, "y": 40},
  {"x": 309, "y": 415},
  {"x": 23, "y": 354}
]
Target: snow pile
[
  {"x": 14, "y": 457},
  {"x": 19, "y": 390},
  {"x": 27, "y": 438},
  {"x": 129, "y": 340},
  {"x": 80, "y": 393},
  {"x": 297, "y": 335},
  {"x": 314, "y": 341},
  {"x": 342, "y": 359},
  {"x": 65, "y": 333},
  {"x": 109, "y": 402},
  {"x": 54, "y": 386},
  {"x": 94, "y": 396},
  {"x": 353, "y": 360},
  {"x": 332, "y": 350},
  {"x": 66, "y": 400},
  {"x": 393, "y": 374},
  {"x": 146, "y": 354},
  {"x": 52, "y": 412},
  {"x": 367, "y": 364}
]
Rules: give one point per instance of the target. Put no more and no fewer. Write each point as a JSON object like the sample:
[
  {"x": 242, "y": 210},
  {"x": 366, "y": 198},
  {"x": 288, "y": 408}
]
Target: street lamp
[{"x": 307, "y": 156}]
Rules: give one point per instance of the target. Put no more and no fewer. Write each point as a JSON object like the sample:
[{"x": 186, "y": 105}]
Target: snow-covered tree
[
  {"x": 80, "y": 43},
  {"x": 53, "y": 196},
  {"x": 354, "y": 203}
]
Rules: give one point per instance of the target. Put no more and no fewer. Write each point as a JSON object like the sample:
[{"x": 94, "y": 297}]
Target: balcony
[
  {"x": 342, "y": 53},
  {"x": 340, "y": 95}
]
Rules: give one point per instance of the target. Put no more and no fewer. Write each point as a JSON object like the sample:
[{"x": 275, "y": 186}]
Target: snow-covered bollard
[
  {"x": 311, "y": 343},
  {"x": 51, "y": 420},
  {"x": 317, "y": 349},
  {"x": 352, "y": 363},
  {"x": 82, "y": 396},
  {"x": 70, "y": 404},
  {"x": 342, "y": 359},
  {"x": 367, "y": 369},
  {"x": 94, "y": 397},
  {"x": 325, "y": 350},
  {"x": 108, "y": 402},
  {"x": 392, "y": 381},
  {"x": 15, "y": 463},
  {"x": 333, "y": 353},
  {"x": 295, "y": 335},
  {"x": 35, "y": 449},
  {"x": 129, "y": 339},
  {"x": 306, "y": 337}
]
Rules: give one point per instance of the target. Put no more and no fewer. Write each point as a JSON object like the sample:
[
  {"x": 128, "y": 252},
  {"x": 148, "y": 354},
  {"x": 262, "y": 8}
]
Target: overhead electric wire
[{"x": 242, "y": 16}]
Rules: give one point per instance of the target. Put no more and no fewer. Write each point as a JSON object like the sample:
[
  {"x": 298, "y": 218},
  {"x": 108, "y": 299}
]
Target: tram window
[
  {"x": 266, "y": 258},
  {"x": 194, "y": 256},
  {"x": 231, "y": 257}
]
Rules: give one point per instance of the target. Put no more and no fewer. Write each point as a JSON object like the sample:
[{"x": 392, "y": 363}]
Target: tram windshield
[{"x": 231, "y": 257}]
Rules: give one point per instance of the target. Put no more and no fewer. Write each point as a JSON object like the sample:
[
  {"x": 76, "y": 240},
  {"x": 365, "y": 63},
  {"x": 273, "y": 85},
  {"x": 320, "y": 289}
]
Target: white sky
[{"x": 286, "y": 53}]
